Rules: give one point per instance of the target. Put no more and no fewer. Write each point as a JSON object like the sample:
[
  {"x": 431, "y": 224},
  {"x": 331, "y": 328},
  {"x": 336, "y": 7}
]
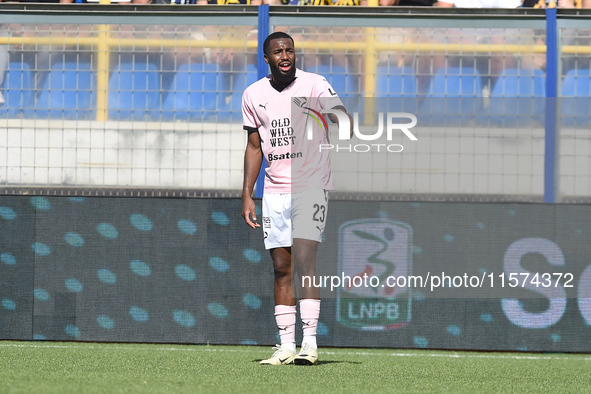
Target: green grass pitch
[{"x": 76, "y": 367}]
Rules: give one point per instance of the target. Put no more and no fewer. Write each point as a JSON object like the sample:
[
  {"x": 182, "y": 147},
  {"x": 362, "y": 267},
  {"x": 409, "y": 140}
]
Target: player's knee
[
  {"x": 282, "y": 275},
  {"x": 307, "y": 270},
  {"x": 305, "y": 263},
  {"x": 282, "y": 269}
]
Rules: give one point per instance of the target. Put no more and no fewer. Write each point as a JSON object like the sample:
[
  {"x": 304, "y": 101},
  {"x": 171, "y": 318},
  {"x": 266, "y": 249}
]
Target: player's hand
[{"x": 249, "y": 211}]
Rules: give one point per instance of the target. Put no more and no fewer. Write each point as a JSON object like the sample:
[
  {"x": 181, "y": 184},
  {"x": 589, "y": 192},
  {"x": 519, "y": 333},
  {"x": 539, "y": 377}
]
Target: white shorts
[{"x": 298, "y": 215}]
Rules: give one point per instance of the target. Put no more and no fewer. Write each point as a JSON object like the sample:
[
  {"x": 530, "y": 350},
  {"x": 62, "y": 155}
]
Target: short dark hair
[{"x": 274, "y": 36}]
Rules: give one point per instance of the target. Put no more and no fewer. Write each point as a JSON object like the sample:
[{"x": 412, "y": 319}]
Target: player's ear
[{"x": 266, "y": 59}]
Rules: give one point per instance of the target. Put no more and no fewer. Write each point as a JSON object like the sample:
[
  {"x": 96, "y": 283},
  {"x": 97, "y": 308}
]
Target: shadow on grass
[{"x": 337, "y": 362}]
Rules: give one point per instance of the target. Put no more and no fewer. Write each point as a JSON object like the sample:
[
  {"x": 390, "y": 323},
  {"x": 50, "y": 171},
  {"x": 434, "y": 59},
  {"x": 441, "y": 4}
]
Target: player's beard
[{"x": 281, "y": 77}]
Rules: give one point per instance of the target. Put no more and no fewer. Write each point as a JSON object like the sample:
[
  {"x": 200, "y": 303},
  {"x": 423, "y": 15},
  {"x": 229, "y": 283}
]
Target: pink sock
[
  {"x": 285, "y": 316},
  {"x": 309, "y": 313}
]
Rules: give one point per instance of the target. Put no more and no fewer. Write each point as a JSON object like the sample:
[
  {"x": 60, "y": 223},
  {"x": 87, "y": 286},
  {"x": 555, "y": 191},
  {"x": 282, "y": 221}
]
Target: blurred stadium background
[{"x": 121, "y": 153}]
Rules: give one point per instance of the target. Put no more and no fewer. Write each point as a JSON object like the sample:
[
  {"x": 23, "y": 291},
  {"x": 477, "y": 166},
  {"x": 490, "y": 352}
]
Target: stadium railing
[{"x": 150, "y": 101}]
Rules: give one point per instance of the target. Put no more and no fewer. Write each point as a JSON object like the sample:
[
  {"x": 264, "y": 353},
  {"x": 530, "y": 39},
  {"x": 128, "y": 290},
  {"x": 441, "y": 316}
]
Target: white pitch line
[
  {"x": 461, "y": 355},
  {"x": 197, "y": 348}
]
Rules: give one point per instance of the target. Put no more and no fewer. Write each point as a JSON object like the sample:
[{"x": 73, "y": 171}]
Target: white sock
[
  {"x": 310, "y": 340},
  {"x": 309, "y": 313}
]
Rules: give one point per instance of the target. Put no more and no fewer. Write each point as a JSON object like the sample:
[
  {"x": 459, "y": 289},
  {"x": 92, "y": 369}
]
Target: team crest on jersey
[{"x": 300, "y": 101}]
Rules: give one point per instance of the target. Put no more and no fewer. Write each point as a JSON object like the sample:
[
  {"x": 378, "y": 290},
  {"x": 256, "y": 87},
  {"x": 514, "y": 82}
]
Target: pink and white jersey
[{"x": 294, "y": 161}]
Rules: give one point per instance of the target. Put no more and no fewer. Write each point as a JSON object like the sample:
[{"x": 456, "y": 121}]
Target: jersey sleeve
[
  {"x": 249, "y": 119},
  {"x": 328, "y": 96}
]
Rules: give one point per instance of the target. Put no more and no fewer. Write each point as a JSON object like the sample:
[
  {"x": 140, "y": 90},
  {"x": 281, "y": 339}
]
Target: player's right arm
[{"x": 253, "y": 159}]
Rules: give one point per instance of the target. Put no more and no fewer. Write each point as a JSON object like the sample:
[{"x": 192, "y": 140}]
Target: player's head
[
  {"x": 280, "y": 55},
  {"x": 274, "y": 36}
]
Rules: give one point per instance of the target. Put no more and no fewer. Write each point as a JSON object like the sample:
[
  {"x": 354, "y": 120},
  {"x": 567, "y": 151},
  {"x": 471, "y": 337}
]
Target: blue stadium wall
[{"x": 190, "y": 271}]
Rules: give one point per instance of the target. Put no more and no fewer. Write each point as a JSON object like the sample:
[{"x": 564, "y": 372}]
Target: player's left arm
[
  {"x": 331, "y": 100},
  {"x": 334, "y": 119}
]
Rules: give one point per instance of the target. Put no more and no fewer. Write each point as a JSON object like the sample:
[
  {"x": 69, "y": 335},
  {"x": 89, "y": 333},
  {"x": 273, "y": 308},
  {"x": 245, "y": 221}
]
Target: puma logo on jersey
[{"x": 264, "y": 106}]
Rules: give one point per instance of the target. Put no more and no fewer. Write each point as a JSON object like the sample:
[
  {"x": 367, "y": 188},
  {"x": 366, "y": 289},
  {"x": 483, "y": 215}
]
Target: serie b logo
[{"x": 371, "y": 253}]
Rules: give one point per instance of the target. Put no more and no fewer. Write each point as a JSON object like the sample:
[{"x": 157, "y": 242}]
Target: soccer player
[{"x": 297, "y": 181}]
